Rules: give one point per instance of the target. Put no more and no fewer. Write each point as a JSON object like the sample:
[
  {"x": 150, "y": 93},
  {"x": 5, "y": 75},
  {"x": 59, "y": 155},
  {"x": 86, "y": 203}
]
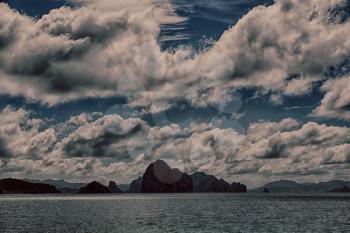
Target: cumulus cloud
[
  {"x": 287, "y": 149},
  {"x": 83, "y": 51},
  {"x": 75, "y": 148},
  {"x": 261, "y": 130},
  {"x": 108, "y": 136},
  {"x": 336, "y": 102},
  {"x": 289, "y": 37},
  {"x": 311, "y": 136},
  {"x": 23, "y": 135},
  {"x": 97, "y": 146},
  {"x": 104, "y": 48},
  {"x": 338, "y": 154},
  {"x": 93, "y": 145}
]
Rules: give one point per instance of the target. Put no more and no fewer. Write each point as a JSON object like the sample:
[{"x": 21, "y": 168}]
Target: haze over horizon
[{"x": 250, "y": 91}]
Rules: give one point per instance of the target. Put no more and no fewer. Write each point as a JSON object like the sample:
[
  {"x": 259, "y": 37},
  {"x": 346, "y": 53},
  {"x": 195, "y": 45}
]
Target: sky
[{"x": 250, "y": 91}]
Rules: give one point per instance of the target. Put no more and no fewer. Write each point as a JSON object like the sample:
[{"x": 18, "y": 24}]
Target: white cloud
[
  {"x": 276, "y": 99},
  {"x": 289, "y": 37},
  {"x": 108, "y": 136},
  {"x": 93, "y": 146},
  {"x": 336, "y": 102},
  {"x": 104, "y": 48},
  {"x": 24, "y": 135},
  {"x": 260, "y": 130},
  {"x": 86, "y": 51},
  {"x": 299, "y": 151}
]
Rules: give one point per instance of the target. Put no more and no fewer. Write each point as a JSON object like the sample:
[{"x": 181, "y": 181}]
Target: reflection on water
[{"x": 175, "y": 213}]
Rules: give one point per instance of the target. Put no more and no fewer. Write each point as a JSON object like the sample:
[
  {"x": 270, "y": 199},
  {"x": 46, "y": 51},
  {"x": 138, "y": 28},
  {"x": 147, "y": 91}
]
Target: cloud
[
  {"x": 295, "y": 142},
  {"x": 305, "y": 150},
  {"x": 338, "y": 154},
  {"x": 266, "y": 47},
  {"x": 308, "y": 152},
  {"x": 82, "y": 147},
  {"x": 276, "y": 99},
  {"x": 97, "y": 146},
  {"x": 104, "y": 48},
  {"x": 108, "y": 136},
  {"x": 24, "y": 143},
  {"x": 336, "y": 102},
  {"x": 23, "y": 135},
  {"x": 94, "y": 145},
  {"x": 83, "y": 51},
  {"x": 260, "y": 130},
  {"x": 27, "y": 52},
  {"x": 204, "y": 149}
]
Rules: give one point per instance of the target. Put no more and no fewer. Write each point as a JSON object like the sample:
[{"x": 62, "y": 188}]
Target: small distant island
[
  {"x": 344, "y": 189},
  {"x": 289, "y": 186},
  {"x": 159, "y": 177}
]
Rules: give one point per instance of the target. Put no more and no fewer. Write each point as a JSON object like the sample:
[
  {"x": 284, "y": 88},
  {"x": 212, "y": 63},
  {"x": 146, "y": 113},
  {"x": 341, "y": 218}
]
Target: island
[
  {"x": 93, "y": 188},
  {"x": 16, "y": 186},
  {"x": 160, "y": 178},
  {"x": 203, "y": 183}
]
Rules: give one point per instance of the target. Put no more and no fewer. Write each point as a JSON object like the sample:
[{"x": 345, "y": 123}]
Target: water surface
[{"x": 209, "y": 213}]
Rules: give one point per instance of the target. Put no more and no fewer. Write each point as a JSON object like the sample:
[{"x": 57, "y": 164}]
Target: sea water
[{"x": 153, "y": 213}]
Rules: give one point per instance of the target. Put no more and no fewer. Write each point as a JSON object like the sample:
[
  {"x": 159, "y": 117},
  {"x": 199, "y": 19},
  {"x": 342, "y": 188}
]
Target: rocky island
[
  {"x": 203, "y": 183},
  {"x": 344, "y": 189},
  {"x": 15, "y": 186},
  {"x": 113, "y": 187},
  {"x": 93, "y": 188},
  {"x": 135, "y": 186},
  {"x": 160, "y": 178}
]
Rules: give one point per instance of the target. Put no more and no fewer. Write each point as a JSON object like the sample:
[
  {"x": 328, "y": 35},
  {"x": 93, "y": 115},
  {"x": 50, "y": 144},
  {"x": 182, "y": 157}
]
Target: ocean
[{"x": 153, "y": 213}]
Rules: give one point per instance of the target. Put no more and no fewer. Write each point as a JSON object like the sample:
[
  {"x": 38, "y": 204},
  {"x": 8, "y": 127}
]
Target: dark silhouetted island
[
  {"x": 15, "y": 186},
  {"x": 289, "y": 186},
  {"x": 344, "y": 189},
  {"x": 203, "y": 183},
  {"x": 113, "y": 187},
  {"x": 135, "y": 186},
  {"x": 94, "y": 187},
  {"x": 160, "y": 178},
  {"x": 237, "y": 188},
  {"x": 62, "y": 185}
]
